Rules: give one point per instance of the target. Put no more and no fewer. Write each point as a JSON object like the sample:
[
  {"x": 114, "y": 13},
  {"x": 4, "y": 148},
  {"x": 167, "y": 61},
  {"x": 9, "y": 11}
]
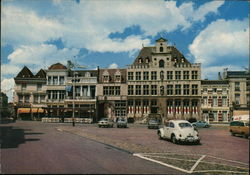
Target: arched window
[
  {"x": 161, "y": 49},
  {"x": 161, "y": 64}
]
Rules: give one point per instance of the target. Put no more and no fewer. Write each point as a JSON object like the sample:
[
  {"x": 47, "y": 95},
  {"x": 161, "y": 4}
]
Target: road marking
[
  {"x": 59, "y": 129},
  {"x": 192, "y": 170},
  {"x": 229, "y": 160},
  {"x": 196, "y": 163},
  {"x": 218, "y": 171},
  {"x": 164, "y": 164}
]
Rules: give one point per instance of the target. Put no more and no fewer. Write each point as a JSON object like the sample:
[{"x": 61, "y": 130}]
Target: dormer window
[
  {"x": 118, "y": 78},
  {"x": 140, "y": 60},
  {"x": 147, "y": 60},
  {"x": 161, "y": 64},
  {"x": 161, "y": 49},
  {"x": 105, "y": 78}
]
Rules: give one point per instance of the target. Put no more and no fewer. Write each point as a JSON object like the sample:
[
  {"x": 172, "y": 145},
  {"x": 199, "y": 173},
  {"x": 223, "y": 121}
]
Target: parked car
[
  {"x": 200, "y": 124},
  {"x": 240, "y": 127},
  {"x": 121, "y": 122},
  {"x": 179, "y": 131},
  {"x": 153, "y": 124},
  {"x": 105, "y": 122}
]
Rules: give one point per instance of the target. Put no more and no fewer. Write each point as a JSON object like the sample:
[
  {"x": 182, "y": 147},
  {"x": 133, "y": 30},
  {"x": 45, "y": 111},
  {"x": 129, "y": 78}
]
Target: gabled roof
[
  {"x": 41, "y": 74},
  {"x": 161, "y": 40},
  {"x": 57, "y": 66},
  {"x": 25, "y": 73}
]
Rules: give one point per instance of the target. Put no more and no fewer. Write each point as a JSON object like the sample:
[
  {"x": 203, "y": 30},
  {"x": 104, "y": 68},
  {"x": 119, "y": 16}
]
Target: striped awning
[{"x": 29, "y": 110}]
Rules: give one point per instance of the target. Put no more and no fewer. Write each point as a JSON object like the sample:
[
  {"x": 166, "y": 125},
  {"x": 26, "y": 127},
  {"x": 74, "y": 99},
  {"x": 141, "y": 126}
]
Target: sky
[{"x": 110, "y": 33}]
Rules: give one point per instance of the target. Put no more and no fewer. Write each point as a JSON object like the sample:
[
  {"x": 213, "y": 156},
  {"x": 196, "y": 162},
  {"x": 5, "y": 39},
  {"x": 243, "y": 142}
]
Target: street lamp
[
  {"x": 74, "y": 96},
  {"x": 74, "y": 65}
]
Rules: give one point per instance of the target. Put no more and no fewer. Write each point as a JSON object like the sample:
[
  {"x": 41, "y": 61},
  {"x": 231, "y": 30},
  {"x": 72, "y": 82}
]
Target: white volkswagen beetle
[{"x": 179, "y": 131}]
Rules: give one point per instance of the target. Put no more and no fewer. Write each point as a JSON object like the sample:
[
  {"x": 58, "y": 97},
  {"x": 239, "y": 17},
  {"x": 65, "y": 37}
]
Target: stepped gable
[
  {"x": 41, "y": 74},
  {"x": 57, "y": 66},
  {"x": 25, "y": 73}
]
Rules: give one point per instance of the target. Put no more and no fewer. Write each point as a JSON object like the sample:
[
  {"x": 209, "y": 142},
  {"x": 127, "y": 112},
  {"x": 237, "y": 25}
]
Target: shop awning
[{"x": 29, "y": 110}]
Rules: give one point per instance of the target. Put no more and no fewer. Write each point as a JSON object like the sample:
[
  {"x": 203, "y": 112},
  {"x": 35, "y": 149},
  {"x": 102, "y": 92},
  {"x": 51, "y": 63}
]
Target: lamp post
[
  {"x": 73, "y": 65},
  {"x": 74, "y": 95}
]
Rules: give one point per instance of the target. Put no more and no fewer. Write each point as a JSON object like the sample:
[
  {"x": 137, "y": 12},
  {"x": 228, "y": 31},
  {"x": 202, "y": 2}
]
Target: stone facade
[
  {"x": 215, "y": 100},
  {"x": 161, "y": 80},
  {"x": 112, "y": 93}
]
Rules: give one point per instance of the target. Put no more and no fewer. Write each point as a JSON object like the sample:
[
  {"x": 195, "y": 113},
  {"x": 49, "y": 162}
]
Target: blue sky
[{"x": 109, "y": 33}]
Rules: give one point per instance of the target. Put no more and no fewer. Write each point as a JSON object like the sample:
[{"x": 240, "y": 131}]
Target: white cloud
[
  {"x": 39, "y": 53},
  {"x": 113, "y": 66},
  {"x": 211, "y": 72},
  {"x": 221, "y": 43},
  {"x": 199, "y": 15},
  {"x": 20, "y": 27},
  {"x": 7, "y": 86},
  {"x": 88, "y": 24},
  {"x": 10, "y": 69}
]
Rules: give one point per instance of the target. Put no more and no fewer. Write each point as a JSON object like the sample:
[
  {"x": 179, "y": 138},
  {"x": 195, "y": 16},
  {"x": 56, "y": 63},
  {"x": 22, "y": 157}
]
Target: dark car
[
  {"x": 122, "y": 123},
  {"x": 153, "y": 124}
]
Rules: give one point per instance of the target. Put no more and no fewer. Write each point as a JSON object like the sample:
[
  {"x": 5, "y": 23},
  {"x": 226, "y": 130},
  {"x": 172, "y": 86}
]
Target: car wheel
[
  {"x": 232, "y": 133},
  {"x": 206, "y": 126},
  {"x": 198, "y": 142},
  {"x": 159, "y": 134},
  {"x": 173, "y": 138}
]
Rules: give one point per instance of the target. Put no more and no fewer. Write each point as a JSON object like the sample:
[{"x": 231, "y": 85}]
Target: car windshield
[
  {"x": 104, "y": 119},
  {"x": 185, "y": 125},
  {"x": 122, "y": 120},
  {"x": 152, "y": 121}
]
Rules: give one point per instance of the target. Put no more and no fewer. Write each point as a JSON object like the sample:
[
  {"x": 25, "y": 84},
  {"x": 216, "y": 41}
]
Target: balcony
[
  {"x": 85, "y": 80},
  {"x": 79, "y": 99}
]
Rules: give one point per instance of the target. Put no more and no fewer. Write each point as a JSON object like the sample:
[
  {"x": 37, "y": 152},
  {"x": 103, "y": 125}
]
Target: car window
[
  {"x": 185, "y": 125},
  {"x": 171, "y": 125}
]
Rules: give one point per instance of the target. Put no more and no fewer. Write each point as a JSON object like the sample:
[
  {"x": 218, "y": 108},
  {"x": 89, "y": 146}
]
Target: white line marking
[
  {"x": 59, "y": 129},
  {"x": 228, "y": 160},
  {"x": 171, "y": 166},
  {"x": 196, "y": 164},
  {"x": 197, "y": 155},
  {"x": 205, "y": 171},
  {"x": 172, "y": 158}
]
